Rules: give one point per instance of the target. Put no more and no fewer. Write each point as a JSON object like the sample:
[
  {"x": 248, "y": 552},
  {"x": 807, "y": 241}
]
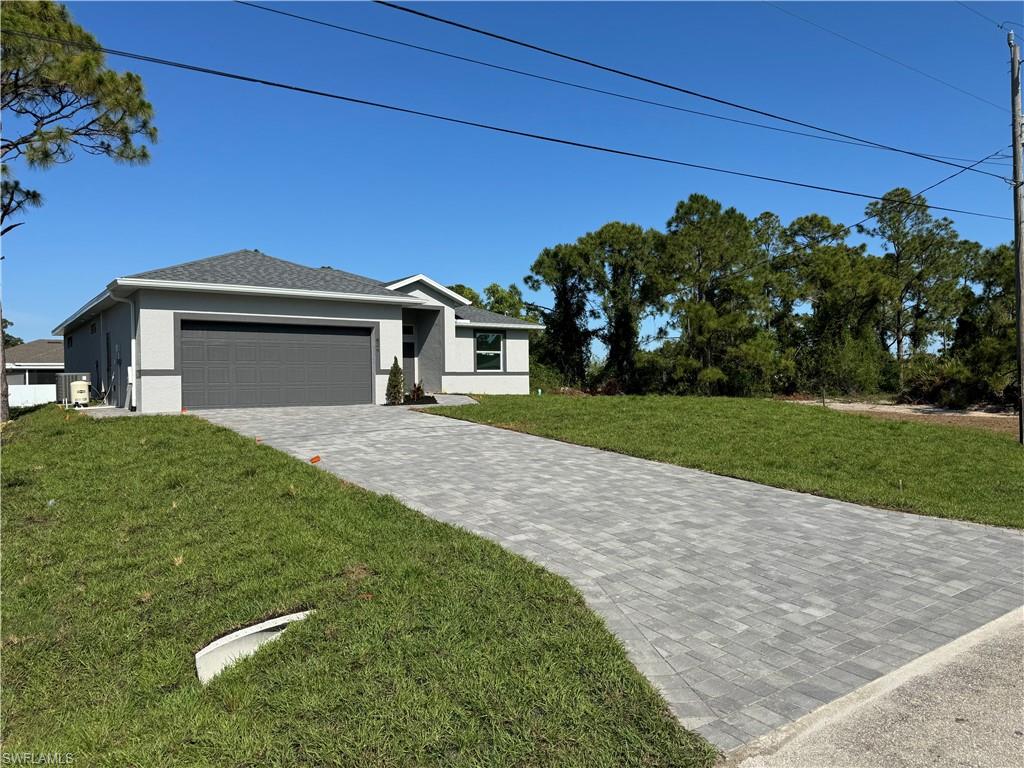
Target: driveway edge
[{"x": 846, "y": 706}]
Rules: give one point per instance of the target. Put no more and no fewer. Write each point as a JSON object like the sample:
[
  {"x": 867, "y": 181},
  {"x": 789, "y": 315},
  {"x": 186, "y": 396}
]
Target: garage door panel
[
  {"x": 246, "y": 374},
  {"x": 256, "y": 364},
  {"x": 247, "y": 353},
  {"x": 218, "y": 352},
  {"x": 270, "y": 352},
  {"x": 192, "y": 351},
  {"x": 218, "y": 374},
  {"x": 318, "y": 374},
  {"x": 294, "y": 374}
]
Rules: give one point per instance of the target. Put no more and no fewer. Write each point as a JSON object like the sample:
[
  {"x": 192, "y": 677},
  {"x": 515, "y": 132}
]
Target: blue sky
[{"x": 321, "y": 182}]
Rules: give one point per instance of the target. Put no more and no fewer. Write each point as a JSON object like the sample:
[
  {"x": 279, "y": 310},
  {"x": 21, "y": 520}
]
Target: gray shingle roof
[
  {"x": 38, "y": 351},
  {"x": 260, "y": 270},
  {"x": 478, "y": 315}
]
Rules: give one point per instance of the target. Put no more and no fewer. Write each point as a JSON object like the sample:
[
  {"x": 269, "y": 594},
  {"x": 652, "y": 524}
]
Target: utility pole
[{"x": 1018, "y": 223}]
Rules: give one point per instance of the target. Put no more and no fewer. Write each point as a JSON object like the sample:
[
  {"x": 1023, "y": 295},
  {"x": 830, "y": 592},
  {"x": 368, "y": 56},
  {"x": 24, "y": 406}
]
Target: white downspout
[{"x": 131, "y": 363}]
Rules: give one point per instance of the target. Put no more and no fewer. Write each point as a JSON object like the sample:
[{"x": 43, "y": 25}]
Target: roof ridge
[
  {"x": 360, "y": 278},
  {"x": 200, "y": 261},
  {"x": 369, "y": 281}
]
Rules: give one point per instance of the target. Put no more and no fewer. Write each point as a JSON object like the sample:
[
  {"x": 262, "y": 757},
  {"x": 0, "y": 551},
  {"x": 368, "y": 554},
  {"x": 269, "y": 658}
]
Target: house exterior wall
[
  {"x": 87, "y": 351},
  {"x": 461, "y": 374},
  {"x": 429, "y": 333},
  {"x": 160, "y": 313},
  {"x": 458, "y": 351}
]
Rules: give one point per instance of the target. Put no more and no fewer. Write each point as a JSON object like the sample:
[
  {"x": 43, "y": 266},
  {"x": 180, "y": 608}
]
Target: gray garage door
[{"x": 237, "y": 365}]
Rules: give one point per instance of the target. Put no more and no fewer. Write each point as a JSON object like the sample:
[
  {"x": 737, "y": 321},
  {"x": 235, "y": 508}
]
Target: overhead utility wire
[
  {"x": 887, "y": 57},
  {"x": 989, "y": 19},
  {"x": 569, "y": 83},
  {"x": 679, "y": 89},
  {"x": 475, "y": 124},
  {"x": 950, "y": 177},
  {"x": 844, "y": 230}
]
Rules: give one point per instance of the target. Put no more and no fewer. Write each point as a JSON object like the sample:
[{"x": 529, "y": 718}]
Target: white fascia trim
[
  {"x": 176, "y": 285},
  {"x": 433, "y": 284},
  {"x": 502, "y": 326},
  {"x": 34, "y": 366},
  {"x": 59, "y": 330}
]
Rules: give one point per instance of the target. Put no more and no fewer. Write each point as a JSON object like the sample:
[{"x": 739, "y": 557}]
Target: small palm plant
[{"x": 396, "y": 384}]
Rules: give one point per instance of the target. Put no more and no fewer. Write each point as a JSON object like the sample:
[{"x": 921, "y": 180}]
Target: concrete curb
[{"x": 847, "y": 705}]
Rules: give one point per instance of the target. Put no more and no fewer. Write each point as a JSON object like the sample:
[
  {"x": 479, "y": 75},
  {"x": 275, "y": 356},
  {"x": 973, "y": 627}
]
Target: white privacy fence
[{"x": 22, "y": 395}]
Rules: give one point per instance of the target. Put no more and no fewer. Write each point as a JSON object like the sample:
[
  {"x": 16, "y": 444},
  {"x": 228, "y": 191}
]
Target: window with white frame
[{"x": 488, "y": 351}]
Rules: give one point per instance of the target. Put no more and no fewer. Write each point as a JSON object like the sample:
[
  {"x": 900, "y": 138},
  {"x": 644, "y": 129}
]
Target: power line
[
  {"x": 475, "y": 124},
  {"x": 885, "y": 56},
  {"x": 989, "y": 19},
  {"x": 568, "y": 83},
  {"x": 929, "y": 188},
  {"x": 669, "y": 86},
  {"x": 843, "y": 231}
]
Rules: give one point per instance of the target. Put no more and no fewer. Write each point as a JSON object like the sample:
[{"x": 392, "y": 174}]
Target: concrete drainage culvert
[{"x": 225, "y": 651}]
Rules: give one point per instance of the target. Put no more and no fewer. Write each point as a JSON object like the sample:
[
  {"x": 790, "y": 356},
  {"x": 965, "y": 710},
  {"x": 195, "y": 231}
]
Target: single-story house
[
  {"x": 31, "y": 371},
  {"x": 245, "y": 329}
]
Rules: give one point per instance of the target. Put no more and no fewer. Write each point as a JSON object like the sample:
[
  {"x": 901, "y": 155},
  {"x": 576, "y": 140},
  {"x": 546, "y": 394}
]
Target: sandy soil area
[{"x": 994, "y": 420}]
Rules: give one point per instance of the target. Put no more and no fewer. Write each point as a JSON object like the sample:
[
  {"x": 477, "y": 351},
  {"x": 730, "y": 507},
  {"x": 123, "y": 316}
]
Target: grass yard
[
  {"x": 929, "y": 469},
  {"x": 130, "y": 543}
]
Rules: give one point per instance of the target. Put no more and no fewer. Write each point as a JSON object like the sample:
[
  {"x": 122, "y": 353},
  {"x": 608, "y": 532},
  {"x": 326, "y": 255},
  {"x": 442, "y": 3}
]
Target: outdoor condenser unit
[{"x": 64, "y": 385}]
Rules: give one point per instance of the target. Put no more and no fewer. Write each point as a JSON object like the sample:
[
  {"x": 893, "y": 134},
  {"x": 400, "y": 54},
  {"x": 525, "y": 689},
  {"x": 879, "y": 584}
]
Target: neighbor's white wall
[
  {"x": 156, "y": 331},
  {"x": 24, "y": 395},
  {"x": 490, "y": 384}
]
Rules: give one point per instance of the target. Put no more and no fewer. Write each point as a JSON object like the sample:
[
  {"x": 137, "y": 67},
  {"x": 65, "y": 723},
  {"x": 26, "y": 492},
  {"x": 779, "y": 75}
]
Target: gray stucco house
[{"x": 245, "y": 329}]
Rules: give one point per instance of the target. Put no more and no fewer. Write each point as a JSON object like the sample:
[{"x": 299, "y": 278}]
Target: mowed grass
[
  {"x": 128, "y": 544},
  {"x": 932, "y": 470}
]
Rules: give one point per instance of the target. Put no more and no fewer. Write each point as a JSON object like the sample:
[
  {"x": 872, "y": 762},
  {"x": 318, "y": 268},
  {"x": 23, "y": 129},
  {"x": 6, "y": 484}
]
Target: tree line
[{"x": 754, "y": 306}]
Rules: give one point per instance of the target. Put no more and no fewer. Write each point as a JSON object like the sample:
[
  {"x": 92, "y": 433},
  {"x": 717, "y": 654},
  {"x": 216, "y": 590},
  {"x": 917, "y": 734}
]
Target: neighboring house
[
  {"x": 32, "y": 370},
  {"x": 245, "y": 329}
]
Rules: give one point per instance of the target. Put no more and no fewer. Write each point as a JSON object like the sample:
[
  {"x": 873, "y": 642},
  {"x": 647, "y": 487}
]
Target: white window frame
[{"x": 500, "y": 351}]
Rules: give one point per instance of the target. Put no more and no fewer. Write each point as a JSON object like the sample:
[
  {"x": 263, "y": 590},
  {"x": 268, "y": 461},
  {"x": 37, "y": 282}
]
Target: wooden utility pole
[{"x": 1018, "y": 223}]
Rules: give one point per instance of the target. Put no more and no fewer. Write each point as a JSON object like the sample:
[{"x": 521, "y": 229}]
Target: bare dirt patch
[{"x": 1001, "y": 421}]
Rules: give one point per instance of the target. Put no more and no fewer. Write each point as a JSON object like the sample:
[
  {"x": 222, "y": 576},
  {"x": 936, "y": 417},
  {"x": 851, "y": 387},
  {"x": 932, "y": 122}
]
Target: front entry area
[{"x": 239, "y": 365}]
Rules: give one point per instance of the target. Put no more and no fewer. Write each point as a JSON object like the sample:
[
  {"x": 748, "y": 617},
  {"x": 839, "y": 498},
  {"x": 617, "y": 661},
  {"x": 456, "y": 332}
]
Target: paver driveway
[{"x": 747, "y": 606}]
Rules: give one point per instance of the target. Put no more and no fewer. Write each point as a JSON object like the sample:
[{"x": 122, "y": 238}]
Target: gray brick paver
[{"x": 736, "y": 599}]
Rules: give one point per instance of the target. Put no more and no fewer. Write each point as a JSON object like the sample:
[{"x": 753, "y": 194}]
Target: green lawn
[
  {"x": 933, "y": 470},
  {"x": 128, "y": 544}
]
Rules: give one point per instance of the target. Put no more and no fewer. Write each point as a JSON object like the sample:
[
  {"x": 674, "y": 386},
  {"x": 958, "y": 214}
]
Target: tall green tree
[
  {"x": 986, "y": 333},
  {"x": 629, "y": 276},
  {"x": 839, "y": 347},
  {"x": 61, "y": 98},
  {"x": 9, "y": 339},
  {"x": 923, "y": 266},
  {"x": 720, "y": 303},
  {"x": 508, "y": 300},
  {"x": 468, "y": 293},
  {"x": 565, "y": 343},
  {"x": 58, "y": 98}
]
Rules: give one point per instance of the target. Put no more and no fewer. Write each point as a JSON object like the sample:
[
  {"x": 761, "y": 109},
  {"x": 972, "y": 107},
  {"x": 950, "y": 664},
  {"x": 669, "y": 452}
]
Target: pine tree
[{"x": 396, "y": 384}]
